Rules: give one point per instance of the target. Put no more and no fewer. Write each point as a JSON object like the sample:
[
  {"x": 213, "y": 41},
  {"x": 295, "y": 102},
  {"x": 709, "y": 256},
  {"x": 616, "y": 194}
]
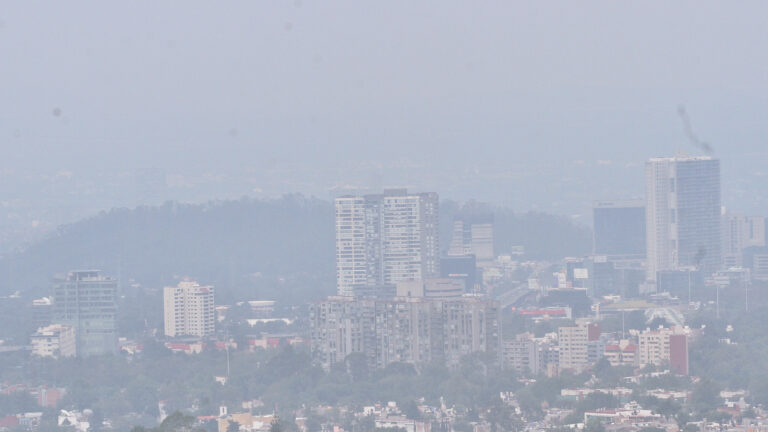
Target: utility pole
[
  {"x": 689, "y": 287},
  {"x": 622, "y": 324},
  {"x": 746, "y": 297},
  {"x": 717, "y": 301}
]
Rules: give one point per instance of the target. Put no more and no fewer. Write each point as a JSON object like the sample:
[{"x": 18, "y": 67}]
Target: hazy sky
[{"x": 479, "y": 99}]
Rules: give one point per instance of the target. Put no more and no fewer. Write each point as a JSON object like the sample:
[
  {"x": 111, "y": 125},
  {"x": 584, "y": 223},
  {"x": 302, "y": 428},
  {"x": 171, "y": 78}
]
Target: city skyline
[{"x": 399, "y": 216}]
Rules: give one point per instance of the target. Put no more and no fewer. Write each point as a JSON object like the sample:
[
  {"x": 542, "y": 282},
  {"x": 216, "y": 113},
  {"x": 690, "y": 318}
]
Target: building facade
[
  {"x": 619, "y": 229},
  {"x": 473, "y": 235},
  {"x": 385, "y": 239},
  {"x": 410, "y": 330},
  {"x": 521, "y": 354},
  {"x": 573, "y": 344},
  {"x": 189, "y": 310},
  {"x": 87, "y": 301},
  {"x": 55, "y": 340},
  {"x": 739, "y": 233},
  {"x": 664, "y": 345},
  {"x": 682, "y": 214}
]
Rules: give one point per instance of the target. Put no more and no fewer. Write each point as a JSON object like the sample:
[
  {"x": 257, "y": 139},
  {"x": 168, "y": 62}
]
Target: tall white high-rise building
[
  {"x": 385, "y": 239},
  {"x": 573, "y": 343},
  {"x": 351, "y": 244},
  {"x": 682, "y": 211},
  {"x": 189, "y": 310}
]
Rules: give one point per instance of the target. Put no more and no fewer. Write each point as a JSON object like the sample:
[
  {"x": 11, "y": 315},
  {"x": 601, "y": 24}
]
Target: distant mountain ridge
[{"x": 224, "y": 242}]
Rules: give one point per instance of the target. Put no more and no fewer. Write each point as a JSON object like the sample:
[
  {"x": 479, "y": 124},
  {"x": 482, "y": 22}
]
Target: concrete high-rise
[
  {"x": 385, "y": 239},
  {"x": 739, "y": 233},
  {"x": 189, "y": 310},
  {"x": 410, "y": 330},
  {"x": 55, "y": 340},
  {"x": 682, "y": 196},
  {"x": 473, "y": 235},
  {"x": 87, "y": 301},
  {"x": 664, "y": 345},
  {"x": 573, "y": 343}
]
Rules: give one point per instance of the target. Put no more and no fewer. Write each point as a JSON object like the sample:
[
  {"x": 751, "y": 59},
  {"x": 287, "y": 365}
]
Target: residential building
[
  {"x": 401, "y": 423},
  {"x": 623, "y": 353},
  {"x": 411, "y": 330},
  {"x": 740, "y": 232},
  {"x": 189, "y": 310},
  {"x": 473, "y": 235},
  {"x": 573, "y": 345},
  {"x": 87, "y": 301},
  {"x": 385, "y": 239},
  {"x": 664, "y": 345},
  {"x": 682, "y": 214},
  {"x": 760, "y": 266},
  {"x": 55, "y": 340},
  {"x": 521, "y": 354}
]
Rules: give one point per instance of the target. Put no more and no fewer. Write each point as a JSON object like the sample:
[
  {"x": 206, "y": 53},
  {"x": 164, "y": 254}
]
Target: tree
[
  {"x": 357, "y": 366},
  {"x": 594, "y": 425},
  {"x": 276, "y": 426},
  {"x": 411, "y": 410},
  {"x": 706, "y": 395},
  {"x": 233, "y": 426},
  {"x": 177, "y": 422}
]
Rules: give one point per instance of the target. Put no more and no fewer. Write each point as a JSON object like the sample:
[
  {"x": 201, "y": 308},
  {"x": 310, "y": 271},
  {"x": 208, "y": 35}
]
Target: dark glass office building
[{"x": 619, "y": 228}]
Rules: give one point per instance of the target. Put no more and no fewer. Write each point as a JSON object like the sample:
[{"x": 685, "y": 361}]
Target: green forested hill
[{"x": 232, "y": 243}]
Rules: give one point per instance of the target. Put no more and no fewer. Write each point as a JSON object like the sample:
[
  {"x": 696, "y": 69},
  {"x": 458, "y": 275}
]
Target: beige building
[
  {"x": 189, "y": 310},
  {"x": 655, "y": 346},
  {"x": 573, "y": 345},
  {"x": 622, "y": 354},
  {"x": 246, "y": 421},
  {"x": 55, "y": 340}
]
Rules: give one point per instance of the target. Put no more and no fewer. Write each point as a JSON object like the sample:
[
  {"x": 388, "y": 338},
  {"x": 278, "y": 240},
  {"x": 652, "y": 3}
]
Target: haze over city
[
  {"x": 351, "y": 216},
  {"x": 270, "y": 98}
]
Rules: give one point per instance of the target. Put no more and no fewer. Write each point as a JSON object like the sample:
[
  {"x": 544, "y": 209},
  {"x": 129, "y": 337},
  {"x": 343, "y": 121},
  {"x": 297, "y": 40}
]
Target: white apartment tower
[
  {"x": 682, "y": 196},
  {"x": 189, "y": 310},
  {"x": 385, "y": 239},
  {"x": 573, "y": 343}
]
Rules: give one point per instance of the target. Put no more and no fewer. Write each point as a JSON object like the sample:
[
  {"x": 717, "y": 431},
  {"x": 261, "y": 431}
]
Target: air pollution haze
[
  {"x": 282, "y": 97},
  {"x": 383, "y": 216}
]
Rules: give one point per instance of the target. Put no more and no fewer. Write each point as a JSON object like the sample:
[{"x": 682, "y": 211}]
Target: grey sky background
[{"x": 540, "y": 105}]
